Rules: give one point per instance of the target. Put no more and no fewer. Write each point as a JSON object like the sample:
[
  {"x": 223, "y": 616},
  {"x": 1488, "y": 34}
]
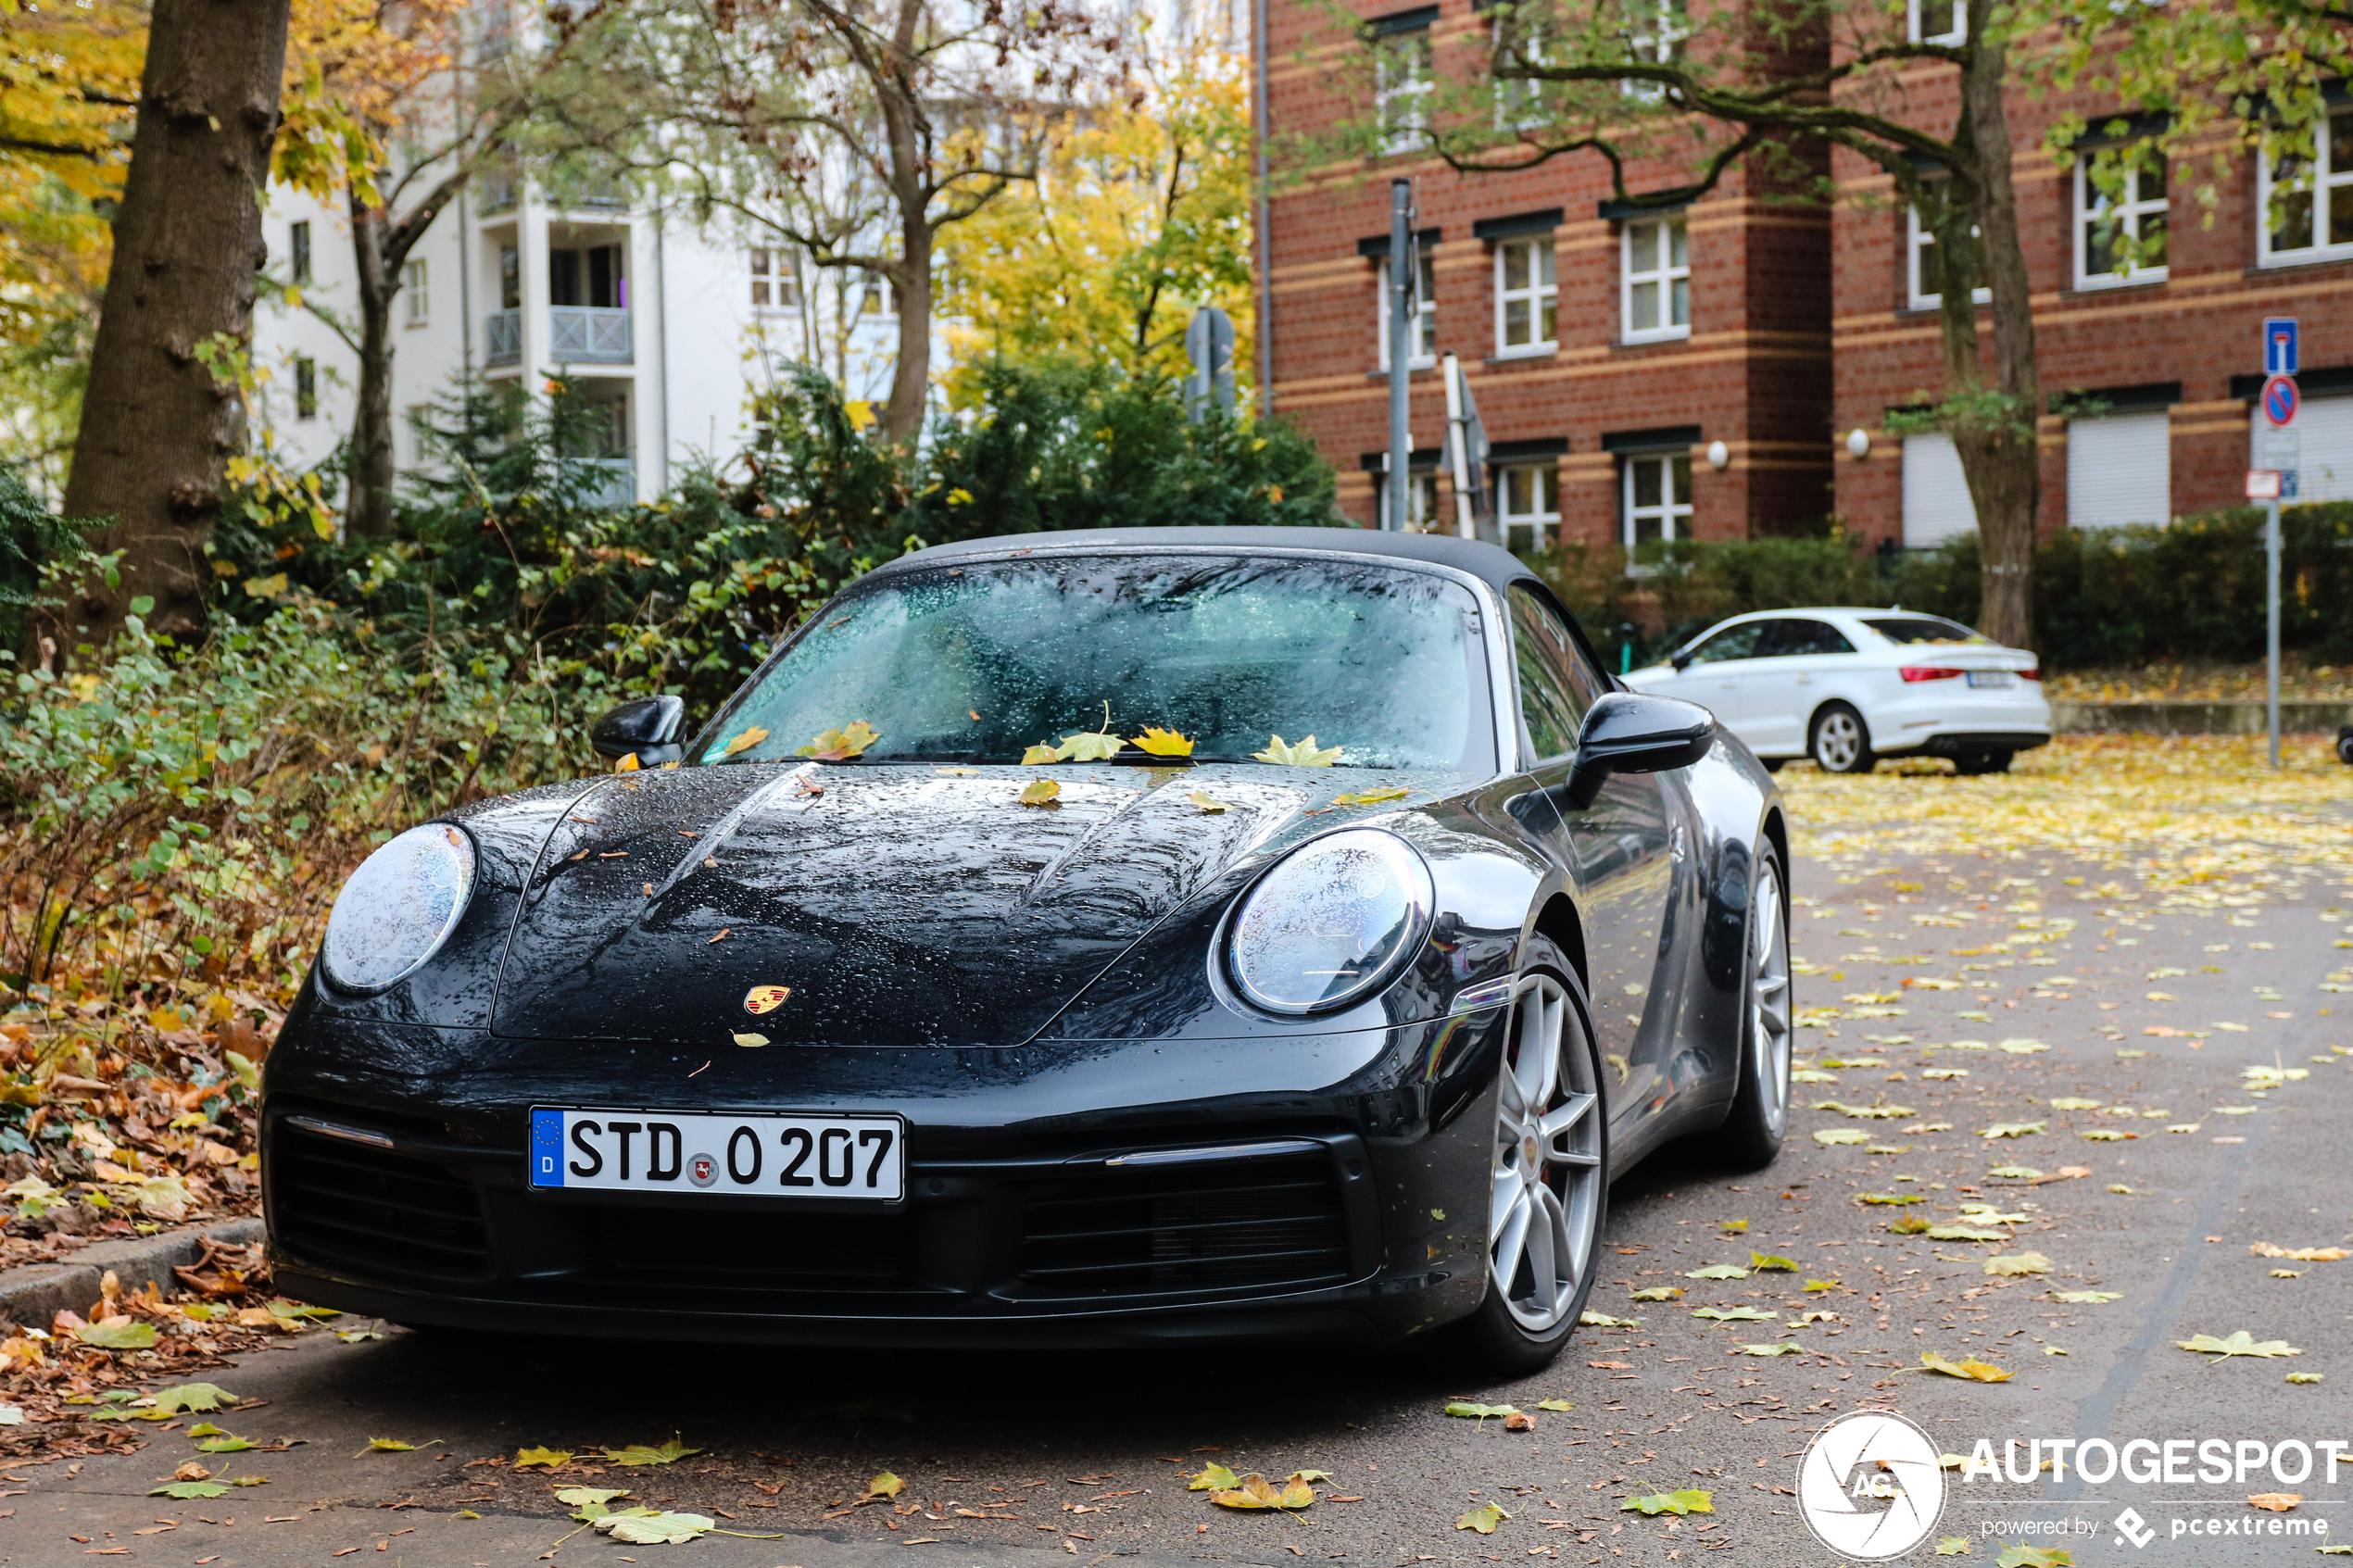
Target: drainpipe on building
[
  {"x": 465, "y": 294},
  {"x": 662, "y": 348},
  {"x": 1400, "y": 349},
  {"x": 1265, "y": 312}
]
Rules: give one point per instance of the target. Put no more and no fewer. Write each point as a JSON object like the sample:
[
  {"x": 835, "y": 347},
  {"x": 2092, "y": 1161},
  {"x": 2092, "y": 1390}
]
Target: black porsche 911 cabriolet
[{"x": 1076, "y": 939}]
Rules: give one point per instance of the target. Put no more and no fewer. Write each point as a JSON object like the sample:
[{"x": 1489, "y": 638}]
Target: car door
[
  {"x": 1711, "y": 676},
  {"x": 1618, "y": 850},
  {"x": 1780, "y": 687}
]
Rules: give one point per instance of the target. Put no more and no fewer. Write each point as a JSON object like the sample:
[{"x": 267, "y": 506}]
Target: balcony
[
  {"x": 587, "y": 334},
  {"x": 502, "y": 337},
  {"x": 610, "y": 482}
]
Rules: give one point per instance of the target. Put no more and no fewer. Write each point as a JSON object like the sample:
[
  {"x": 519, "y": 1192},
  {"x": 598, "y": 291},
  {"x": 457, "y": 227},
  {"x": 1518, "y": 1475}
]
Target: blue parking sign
[{"x": 2279, "y": 346}]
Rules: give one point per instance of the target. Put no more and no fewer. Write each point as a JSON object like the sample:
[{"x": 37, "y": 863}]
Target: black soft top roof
[{"x": 1497, "y": 564}]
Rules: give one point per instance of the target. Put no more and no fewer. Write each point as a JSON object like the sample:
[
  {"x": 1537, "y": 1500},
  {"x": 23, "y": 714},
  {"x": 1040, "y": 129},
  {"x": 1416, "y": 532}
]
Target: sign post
[
  {"x": 1405, "y": 275},
  {"x": 2281, "y": 446}
]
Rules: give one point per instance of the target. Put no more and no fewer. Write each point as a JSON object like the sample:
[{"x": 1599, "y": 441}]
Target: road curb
[
  {"x": 31, "y": 1296},
  {"x": 2297, "y": 716}
]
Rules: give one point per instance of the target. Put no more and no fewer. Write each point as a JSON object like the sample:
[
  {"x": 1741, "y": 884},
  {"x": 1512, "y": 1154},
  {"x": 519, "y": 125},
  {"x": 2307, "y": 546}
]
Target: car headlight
[
  {"x": 1333, "y": 923},
  {"x": 398, "y": 908}
]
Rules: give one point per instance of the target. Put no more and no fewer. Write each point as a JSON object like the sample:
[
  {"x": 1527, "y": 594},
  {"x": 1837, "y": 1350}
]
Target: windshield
[
  {"x": 984, "y": 662},
  {"x": 1914, "y": 629}
]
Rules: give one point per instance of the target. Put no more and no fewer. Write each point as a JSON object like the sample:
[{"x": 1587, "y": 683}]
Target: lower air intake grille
[
  {"x": 711, "y": 1249},
  {"x": 1250, "y": 1224},
  {"x": 379, "y": 1212}
]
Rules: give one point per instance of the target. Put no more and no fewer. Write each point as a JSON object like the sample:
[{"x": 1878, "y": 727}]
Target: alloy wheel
[
  {"x": 1542, "y": 1218},
  {"x": 1768, "y": 995},
  {"x": 1838, "y": 741}
]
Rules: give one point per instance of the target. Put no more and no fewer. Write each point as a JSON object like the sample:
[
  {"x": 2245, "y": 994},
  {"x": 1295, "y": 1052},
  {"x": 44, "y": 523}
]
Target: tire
[
  {"x": 2345, "y": 746},
  {"x": 1543, "y": 1237},
  {"x": 1753, "y": 1132},
  {"x": 1975, "y": 762},
  {"x": 1839, "y": 742}
]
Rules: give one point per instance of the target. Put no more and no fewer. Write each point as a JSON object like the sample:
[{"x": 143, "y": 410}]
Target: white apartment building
[{"x": 666, "y": 328}]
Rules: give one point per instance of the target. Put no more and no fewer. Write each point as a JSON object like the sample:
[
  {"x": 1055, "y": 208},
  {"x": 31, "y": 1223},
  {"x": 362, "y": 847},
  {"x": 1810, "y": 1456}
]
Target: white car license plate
[
  {"x": 686, "y": 1153},
  {"x": 1998, "y": 679}
]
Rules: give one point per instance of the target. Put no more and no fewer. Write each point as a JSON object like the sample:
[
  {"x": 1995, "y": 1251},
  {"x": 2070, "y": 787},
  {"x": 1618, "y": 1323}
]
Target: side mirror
[
  {"x": 1681, "y": 661},
  {"x": 1626, "y": 733},
  {"x": 647, "y": 728}
]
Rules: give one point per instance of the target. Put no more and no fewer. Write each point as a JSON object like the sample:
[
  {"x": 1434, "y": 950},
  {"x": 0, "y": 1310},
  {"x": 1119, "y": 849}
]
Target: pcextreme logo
[{"x": 1870, "y": 1485}]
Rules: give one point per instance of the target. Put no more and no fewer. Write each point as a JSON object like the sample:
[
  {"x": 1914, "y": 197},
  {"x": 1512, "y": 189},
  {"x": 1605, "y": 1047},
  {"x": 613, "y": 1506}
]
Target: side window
[
  {"x": 1816, "y": 636},
  {"x": 1736, "y": 642},
  {"x": 1557, "y": 682}
]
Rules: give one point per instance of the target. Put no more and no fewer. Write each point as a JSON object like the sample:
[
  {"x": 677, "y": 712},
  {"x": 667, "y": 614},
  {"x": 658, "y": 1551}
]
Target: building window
[
  {"x": 1658, "y": 497},
  {"x": 305, "y": 388},
  {"x": 298, "y": 252},
  {"x": 2102, "y": 225},
  {"x": 1919, "y": 264},
  {"x": 880, "y": 298},
  {"x": 775, "y": 280},
  {"x": 1529, "y": 496},
  {"x": 1656, "y": 268},
  {"x": 1421, "y": 499},
  {"x": 1655, "y": 35},
  {"x": 1425, "y": 310},
  {"x": 1401, "y": 86},
  {"x": 1938, "y": 22},
  {"x": 1526, "y": 298},
  {"x": 2119, "y": 469},
  {"x": 510, "y": 278},
  {"x": 2312, "y": 199},
  {"x": 413, "y": 290},
  {"x": 420, "y": 421},
  {"x": 1936, "y": 498}
]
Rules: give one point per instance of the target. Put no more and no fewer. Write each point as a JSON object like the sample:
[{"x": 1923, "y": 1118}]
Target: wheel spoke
[
  {"x": 1543, "y": 1247},
  {"x": 1510, "y": 1188},
  {"x": 1512, "y": 1244},
  {"x": 1563, "y": 1116},
  {"x": 1770, "y": 985}
]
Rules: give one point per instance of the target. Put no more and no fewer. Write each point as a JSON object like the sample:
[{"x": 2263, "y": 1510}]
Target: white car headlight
[
  {"x": 398, "y": 908},
  {"x": 1333, "y": 923}
]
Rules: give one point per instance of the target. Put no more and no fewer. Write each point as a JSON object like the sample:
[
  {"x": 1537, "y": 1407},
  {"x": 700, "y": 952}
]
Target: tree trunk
[
  {"x": 1995, "y": 434},
  {"x": 910, "y": 380},
  {"x": 158, "y": 427},
  {"x": 368, "y": 514}
]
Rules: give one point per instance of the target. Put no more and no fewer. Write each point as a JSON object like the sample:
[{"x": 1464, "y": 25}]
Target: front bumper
[{"x": 408, "y": 1200}]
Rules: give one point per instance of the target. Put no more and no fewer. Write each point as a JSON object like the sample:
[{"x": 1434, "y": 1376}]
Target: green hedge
[{"x": 2192, "y": 591}]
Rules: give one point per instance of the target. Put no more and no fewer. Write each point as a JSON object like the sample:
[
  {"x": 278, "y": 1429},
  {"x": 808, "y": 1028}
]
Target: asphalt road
[{"x": 1041, "y": 1458}]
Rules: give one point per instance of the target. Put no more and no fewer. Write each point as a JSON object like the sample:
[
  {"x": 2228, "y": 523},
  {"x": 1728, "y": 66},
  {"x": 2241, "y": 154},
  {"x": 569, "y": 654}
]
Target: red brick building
[
  {"x": 1796, "y": 326},
  {"x": 1609, "y": 355}
]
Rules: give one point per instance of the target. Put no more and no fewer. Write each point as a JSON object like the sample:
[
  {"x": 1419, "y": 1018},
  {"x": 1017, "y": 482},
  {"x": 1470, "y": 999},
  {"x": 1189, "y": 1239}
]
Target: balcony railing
[
  {"x": 502, "y": 337},
  {"x": 581, "y": 334},
  {"x": 614, "y": 481}
]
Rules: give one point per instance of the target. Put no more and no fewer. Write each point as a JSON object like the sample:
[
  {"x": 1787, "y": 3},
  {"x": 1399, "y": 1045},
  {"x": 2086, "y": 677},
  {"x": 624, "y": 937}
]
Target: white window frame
[
  {"x": 2328, "y": 186},
  {"x": 2092, "y": 207},
  {"x": 878, "y": 300},
  {"x": 415, "y": 280},
  {"x": 1667, "y": 275},
  {"x": 1421, "y": 499},
  {"x": 1917, "y": 237},
  {"x": 1669, "y": 512},
  {"x": 1922, "y": 11},
  {"x": 1517, "y": 94},
  {"x": 1543, "y": 488},
  {"x": 1424, "y": 354},
  {"x": 1401, "y": 102},
  {"x": 776, "y": 274},
  {"x": 1541, "y": 293},
  {"x": 1670, "y": 24}
]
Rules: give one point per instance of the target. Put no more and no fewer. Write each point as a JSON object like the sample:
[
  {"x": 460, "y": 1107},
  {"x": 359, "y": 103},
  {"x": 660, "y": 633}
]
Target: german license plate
[
  {"x": 1996, "y": 678},
  {"x": 688, "y": 1154}
]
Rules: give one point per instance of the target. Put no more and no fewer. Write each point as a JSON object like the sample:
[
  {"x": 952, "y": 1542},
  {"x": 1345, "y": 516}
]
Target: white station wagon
[{"x": 1847, "y": 688}]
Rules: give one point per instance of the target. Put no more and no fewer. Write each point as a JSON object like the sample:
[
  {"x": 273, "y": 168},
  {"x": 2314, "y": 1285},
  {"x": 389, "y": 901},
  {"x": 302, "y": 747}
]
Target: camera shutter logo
[{"x": 1870, "y": 1485}]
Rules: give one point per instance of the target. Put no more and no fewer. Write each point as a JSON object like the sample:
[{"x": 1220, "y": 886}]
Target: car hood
[{"x": 899, "y": 905}]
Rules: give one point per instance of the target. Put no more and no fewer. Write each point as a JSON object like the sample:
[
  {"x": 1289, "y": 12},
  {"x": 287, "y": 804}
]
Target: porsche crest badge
[{"x": 765, "y": 998}]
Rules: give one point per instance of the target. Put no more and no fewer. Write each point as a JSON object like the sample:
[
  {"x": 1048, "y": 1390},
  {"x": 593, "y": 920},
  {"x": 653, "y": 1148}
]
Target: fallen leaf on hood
[
  {"x": 628, "y": 763},
  {"x": 2017, "y": 1263},
  {"x": 1968, "y": 1369},
  {"x": 1370, "y": 797},
  {"x": 1039, "y": 755},
  {"x": 1161, "y": 743},
  {"x": 1256, "y": 1491},
  {"x": 1486, "y": 1517},
  {"x": 1087, "y": 746},
  {"x": 747, "y": 1038},
  {"x": 1040, "y": 791},
  {"x": 1690, "y": 1499},
  {"x": 1209, "y": 805},
  {"x": 2275, "y": 1502},
  {"x": 2239, "y": 1344},
  {"x": 834, "y": 745},
  {"x": 745, "y": 742},
  {"x": 1302, "y": 754}
]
